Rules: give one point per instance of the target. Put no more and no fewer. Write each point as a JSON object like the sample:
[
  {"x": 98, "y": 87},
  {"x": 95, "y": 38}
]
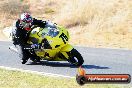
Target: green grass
[{"x": 16, "y": 79}]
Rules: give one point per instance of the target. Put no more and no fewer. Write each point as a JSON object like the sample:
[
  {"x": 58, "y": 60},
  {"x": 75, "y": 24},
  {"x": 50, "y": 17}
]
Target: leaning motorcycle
[{"x": 54, "y": 46}]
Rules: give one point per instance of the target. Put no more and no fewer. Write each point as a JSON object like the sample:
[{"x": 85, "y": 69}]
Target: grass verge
[{"x": 17, "y": 79}]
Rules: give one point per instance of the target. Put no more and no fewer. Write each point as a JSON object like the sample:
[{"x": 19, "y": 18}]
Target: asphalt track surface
[{"x": 96, "y": 61}]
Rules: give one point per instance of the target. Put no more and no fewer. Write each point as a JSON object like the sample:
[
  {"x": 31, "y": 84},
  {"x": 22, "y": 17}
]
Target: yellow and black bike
[{"x": 54, "y": 46}]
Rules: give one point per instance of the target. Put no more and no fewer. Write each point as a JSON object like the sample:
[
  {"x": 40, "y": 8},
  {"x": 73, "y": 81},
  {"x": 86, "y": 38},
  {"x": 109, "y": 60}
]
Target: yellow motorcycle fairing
[{"x": 59, "y": 43}]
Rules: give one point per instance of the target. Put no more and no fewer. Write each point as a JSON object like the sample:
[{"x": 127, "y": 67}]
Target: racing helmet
[{"x": 26, "y": 20}]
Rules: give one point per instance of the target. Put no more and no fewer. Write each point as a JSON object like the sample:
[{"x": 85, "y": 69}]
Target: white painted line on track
[{"x": 36, "y": 72}]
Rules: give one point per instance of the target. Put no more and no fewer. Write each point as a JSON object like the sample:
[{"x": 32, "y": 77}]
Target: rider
[{"x": 23, "y": 27}]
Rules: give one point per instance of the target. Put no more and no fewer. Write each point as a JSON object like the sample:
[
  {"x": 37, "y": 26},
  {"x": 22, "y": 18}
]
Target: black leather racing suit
[{"x": 21, "y": 36}]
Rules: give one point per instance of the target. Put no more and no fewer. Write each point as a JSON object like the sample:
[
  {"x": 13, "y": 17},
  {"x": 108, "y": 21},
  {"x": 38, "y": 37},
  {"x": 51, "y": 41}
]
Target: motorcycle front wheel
[{"x": 75, "y": 57}]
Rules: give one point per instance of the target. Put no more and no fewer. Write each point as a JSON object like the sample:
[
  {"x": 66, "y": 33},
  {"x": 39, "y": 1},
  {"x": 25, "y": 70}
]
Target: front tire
[{"x": 75, "y": 57}]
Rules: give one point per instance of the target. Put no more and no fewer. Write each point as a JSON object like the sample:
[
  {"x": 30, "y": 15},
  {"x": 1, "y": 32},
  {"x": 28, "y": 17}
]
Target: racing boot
[
  {"x": 23, "y": 61},
  {"x": 35, "y": 59}
]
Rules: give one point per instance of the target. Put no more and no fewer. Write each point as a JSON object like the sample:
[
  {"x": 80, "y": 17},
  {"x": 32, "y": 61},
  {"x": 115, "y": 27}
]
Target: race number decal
[{"x": 63, "y": 37}]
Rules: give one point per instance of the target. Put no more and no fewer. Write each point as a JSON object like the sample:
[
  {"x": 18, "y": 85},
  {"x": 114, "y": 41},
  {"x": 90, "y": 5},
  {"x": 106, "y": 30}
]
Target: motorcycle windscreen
[{"x": 48, "y": 31}]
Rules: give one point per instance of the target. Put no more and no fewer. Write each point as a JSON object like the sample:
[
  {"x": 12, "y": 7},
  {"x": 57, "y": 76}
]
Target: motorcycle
[{"x": 53, "y": 40}]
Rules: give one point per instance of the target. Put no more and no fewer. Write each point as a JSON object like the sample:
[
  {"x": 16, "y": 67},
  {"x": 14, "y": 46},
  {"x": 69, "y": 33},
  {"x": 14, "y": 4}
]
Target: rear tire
[{"x": 75, "y": 57}]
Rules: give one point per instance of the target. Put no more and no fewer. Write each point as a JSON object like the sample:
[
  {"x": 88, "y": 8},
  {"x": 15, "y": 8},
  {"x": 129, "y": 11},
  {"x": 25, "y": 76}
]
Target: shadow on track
[
  {"x": 94, "y": 67},
  {"x": 64, "y": 64},
  {"x": 53, "y": 64}
]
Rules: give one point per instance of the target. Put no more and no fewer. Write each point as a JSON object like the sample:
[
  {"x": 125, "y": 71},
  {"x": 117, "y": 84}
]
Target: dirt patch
[{"x": 92, "y": 23}]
